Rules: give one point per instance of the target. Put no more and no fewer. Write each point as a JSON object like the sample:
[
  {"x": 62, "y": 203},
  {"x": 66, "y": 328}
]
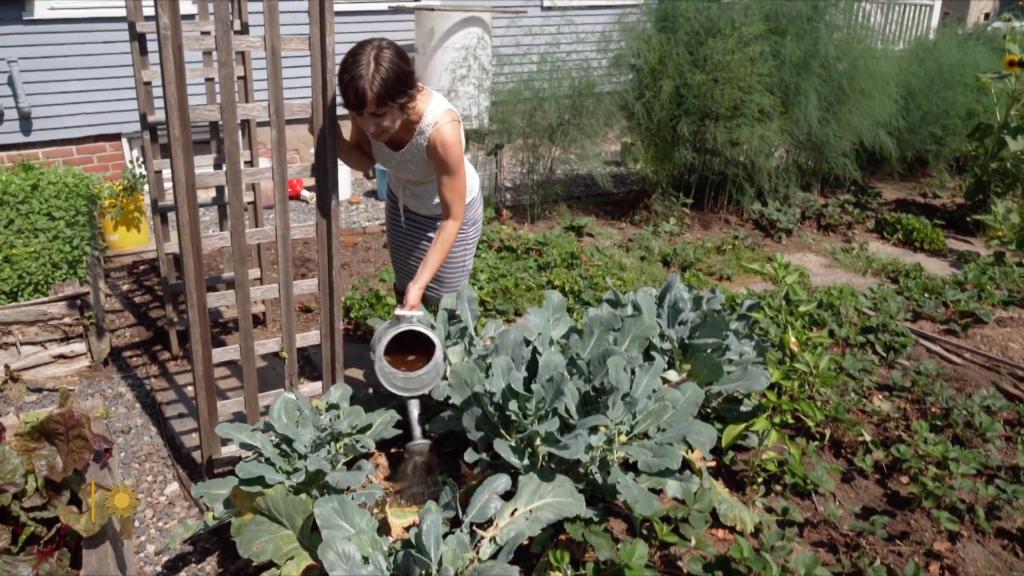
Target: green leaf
[
  {"x": 493, "y": 569},
  {"x": 215, "y": 493},
  {"x": 634, "y": 553},
  {"x": 504, "y": 449},
  {"x": 342, "y": 558},
  {"x": 339, "y": 518},
  {"x": 249, "y": 438},
  {"x": 745, "y": 380},
  {"x": 455, "y": 553},
  {"x": 428, "y": 536},
  {"x": 251, "y": 469},
  {"x": 730, "y": 510},
  {"x": 1014, "y": 143},
  {"x": 486, "y": 500},
  {"x": 641, "y": 501},
  {"x": 636, "y": 333},
  {"x": 293, "y": 511},
  {"x": 536, "y": 505},
  {"x": 731, "y": 433},
  {"x": 465, "y": 377},
  {"x": 705, "y": 369},
  {"x": 260, "y": 539},
  {"x": 550, "y": 322},
  {"x": 288, "y": 417},
  {"x": 348, "y": 479},
  {"x": 647, "y": 379},
  {"x": 12, "y": 474}
]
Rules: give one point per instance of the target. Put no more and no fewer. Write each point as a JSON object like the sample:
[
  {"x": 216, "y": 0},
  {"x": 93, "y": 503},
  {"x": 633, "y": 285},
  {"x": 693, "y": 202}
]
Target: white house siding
[{"x": 78, "y": 72}]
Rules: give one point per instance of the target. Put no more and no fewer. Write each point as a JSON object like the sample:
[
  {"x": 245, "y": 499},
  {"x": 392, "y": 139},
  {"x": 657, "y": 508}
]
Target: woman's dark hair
[{"x": 376, "y": 68}]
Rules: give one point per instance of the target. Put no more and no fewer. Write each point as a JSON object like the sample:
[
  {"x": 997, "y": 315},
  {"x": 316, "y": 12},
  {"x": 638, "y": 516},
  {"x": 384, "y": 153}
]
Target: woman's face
[{"x": 379, "y": 122}]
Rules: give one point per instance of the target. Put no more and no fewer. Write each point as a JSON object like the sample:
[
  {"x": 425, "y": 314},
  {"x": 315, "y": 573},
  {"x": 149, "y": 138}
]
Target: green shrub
[
  {"x": 698, "y": 100},
  {"x": 763, "y": 96},
  {"x": 837, "y": 90},
  {"x": 555, "y": 116},
  {"x": 939, "y": 99},
  {"x": 48, "y": 226},
  {"x": 781, "y": 216},
  {"x": 844, "y": 212},
  {"x": 914, "y": 232},
  {"x": 1004, "y": 225}
]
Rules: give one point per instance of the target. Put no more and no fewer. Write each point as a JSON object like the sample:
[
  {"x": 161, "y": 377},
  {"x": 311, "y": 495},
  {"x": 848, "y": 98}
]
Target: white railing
[{"x": 896, "y": 23}]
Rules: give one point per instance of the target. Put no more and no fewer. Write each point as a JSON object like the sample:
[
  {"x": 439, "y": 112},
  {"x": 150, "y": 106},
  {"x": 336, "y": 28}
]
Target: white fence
[{"x": 896, "y": 23}]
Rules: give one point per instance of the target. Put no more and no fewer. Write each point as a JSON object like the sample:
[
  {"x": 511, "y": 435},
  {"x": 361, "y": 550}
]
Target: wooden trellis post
[{"x": 232, "y": 114}]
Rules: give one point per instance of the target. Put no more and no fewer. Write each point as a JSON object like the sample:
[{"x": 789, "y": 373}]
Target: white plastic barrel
[{"x": 453, "y": 56}]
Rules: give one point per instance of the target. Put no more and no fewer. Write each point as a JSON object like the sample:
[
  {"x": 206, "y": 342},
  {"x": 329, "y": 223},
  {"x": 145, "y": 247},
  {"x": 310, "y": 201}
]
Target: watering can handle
[{"x": 407, "y": 316}]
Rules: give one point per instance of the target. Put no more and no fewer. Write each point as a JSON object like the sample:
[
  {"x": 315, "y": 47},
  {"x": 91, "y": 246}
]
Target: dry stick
[
  {"x": 939, "y": 350},
  {"x": 940, "y": 344}
]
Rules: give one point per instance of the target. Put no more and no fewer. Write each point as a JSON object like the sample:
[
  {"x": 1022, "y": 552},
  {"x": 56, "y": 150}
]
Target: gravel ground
[{"x": 362, "y": 209}]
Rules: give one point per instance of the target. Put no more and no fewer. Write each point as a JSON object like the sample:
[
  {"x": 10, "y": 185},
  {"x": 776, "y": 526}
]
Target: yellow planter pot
[{"x": 130, "y": 230}]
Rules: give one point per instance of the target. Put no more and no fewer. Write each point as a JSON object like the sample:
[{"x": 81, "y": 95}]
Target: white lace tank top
[{"x": 411, "y": 174}]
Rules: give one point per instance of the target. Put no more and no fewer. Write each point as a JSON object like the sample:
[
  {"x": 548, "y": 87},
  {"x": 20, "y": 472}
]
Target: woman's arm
[
  {"x": 445, "y": 150},
  {"x": 355, "y": 151}
]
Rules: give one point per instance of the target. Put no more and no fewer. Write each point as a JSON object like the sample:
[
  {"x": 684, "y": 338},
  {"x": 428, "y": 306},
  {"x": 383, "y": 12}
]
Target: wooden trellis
[{"x": 231, "y": 114}]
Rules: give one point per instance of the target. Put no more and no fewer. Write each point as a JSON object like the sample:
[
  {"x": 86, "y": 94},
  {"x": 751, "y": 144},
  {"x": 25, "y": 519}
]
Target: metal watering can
[{"x": 409, "y": 361}]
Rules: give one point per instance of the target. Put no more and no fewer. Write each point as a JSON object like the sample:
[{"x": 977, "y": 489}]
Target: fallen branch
[{"x": 957, "y": 353}]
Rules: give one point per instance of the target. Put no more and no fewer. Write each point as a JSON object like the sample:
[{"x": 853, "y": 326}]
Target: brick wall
[{"x": 100, "y": 155}]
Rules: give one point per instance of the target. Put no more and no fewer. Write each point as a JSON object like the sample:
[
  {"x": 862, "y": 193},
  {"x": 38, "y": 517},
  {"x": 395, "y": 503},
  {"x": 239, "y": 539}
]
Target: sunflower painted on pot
[{"x": 123, "y": 209}]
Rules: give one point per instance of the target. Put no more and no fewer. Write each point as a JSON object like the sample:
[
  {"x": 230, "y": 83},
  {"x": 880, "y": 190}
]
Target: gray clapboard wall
[{"x": 78, "y": 74}]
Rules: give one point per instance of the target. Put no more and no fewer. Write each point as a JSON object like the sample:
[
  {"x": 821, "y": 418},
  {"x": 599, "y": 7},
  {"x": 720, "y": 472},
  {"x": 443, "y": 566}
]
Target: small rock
[
  {"x": 148, "y": 513},
  {"x": 904, "y": 480},
  {"x": 151, "y": 548}
]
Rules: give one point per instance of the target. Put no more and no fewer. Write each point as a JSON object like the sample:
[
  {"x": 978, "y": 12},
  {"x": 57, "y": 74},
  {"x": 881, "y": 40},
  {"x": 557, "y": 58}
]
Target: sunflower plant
[{"x": 996, "y": 152}]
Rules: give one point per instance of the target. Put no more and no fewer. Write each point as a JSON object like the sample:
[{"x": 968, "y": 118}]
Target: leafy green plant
[
  {"x": 1004, "y": 226},
  {"x": 490, "y": 529},
  {"x": 44, "y": 497},
  {"x": 996, "y": 154},
  {"x": 621, "y": 392},
  {"x": 845, "y": 212},
  {"x": 305, "y": 459},
  {"x": 949, "y": 456},
  {"x": 48, "y": 227},
  {"x": 367, "y": 301},
  {"x": 914, "y": 232},
  {"x": 776, "y": 218},
  {"x": 123, "y": 201}
]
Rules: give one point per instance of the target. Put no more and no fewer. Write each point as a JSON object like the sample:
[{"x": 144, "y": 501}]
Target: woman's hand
[{"x": 413, "y": 296}]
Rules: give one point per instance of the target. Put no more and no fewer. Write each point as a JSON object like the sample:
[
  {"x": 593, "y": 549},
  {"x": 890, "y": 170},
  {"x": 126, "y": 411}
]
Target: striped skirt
[{"x": 408, "y": 243}]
